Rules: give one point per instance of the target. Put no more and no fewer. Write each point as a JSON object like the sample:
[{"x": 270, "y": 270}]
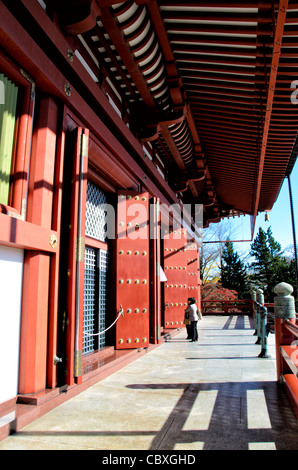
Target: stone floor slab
[{"x": 212, "y": 395}]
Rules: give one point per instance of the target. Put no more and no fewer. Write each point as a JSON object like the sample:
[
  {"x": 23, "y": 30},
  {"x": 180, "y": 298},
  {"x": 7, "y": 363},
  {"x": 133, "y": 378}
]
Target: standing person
[
  {"x": 187, "y": 323},
  {"x": 192, "y": 311}
]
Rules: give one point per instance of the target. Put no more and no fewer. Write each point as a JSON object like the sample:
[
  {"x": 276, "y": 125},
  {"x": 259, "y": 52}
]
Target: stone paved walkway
[{"x": 212, "y": 395}]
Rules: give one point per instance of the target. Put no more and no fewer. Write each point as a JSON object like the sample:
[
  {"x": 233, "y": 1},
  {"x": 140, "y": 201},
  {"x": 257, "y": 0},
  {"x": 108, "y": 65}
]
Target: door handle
[{"x": 56, "y": 360}]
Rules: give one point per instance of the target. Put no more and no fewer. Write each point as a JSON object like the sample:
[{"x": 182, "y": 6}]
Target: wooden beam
[
  {"x": 281, "y": 18},
  {"x": 123, "y": 49}
]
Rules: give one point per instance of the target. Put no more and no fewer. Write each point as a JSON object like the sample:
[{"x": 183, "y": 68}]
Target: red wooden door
[
  {"x": 176, "y": 287},
  {"x": 193, "y": 272},
  {"x": 132, "y": 270}
]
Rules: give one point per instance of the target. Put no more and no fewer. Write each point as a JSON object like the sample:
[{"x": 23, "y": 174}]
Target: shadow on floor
[
  {"x": 233, "y": 422},
  {"x": 214, "y": 416}
]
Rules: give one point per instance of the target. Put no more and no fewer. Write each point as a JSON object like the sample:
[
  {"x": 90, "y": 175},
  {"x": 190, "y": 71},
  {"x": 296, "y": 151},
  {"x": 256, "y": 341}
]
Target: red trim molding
[{"x": 20, "y": 234}]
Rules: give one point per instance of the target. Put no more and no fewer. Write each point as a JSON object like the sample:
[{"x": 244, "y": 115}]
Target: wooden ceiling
[{"x": 207, "y": 86}]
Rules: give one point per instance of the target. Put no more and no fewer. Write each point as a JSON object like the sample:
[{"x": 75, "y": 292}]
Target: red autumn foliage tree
[{"x": 217, "y": 292}]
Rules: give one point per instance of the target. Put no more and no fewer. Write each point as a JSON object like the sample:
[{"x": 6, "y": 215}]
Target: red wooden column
[
  {"x": 79, "y": 207},
  {"x": 55, "y": 265},
  {"x": 34, "y": 323},
  {"x": 155, "y": 278}
]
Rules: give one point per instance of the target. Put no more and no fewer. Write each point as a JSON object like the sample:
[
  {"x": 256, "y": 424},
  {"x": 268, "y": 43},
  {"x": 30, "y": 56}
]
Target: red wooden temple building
[{"x": 115, "y": 118}]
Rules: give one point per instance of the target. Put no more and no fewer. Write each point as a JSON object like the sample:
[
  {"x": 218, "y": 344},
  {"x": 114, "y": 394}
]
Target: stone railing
[{"x": 284, "y": 324}]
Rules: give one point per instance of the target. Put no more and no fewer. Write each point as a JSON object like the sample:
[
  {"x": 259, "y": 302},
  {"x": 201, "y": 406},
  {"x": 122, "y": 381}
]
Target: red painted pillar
[
  {"x": 155, "y": 278},
  {"x": 80, "y": 263},
  {"x": 35, "y": 301},
  {"x": 55, "y": 265}
]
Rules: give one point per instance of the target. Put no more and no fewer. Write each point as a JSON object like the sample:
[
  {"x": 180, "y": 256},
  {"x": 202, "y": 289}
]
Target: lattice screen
[
  {"x": 95, "y": 212},
  {"x": 103, "y": 278},
  {"x": 96, "y": 272},
  {"x": 90, "y": 302}
]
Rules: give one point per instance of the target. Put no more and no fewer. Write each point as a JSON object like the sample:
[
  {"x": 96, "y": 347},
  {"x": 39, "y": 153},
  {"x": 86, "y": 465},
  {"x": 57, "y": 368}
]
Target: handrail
[
  {"x": 228, "y": 301},
  {"x": 226, "y": 305},
  {"x": 286, "y": 344}
]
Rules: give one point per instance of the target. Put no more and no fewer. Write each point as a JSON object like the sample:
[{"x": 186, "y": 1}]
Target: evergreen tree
[
  {"x": 270, "y": 267},
  {"x": 233, "y": 272}
]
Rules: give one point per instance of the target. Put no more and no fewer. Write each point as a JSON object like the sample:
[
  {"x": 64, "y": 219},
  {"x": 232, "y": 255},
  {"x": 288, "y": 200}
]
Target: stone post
[
  {"x": 260, "y": 296},
  {"x": 253, "y": 301},
  {"x": 263, "y": 331},
  {"x": 253, "y": 295},
  {"x": 259, "y": 303}
]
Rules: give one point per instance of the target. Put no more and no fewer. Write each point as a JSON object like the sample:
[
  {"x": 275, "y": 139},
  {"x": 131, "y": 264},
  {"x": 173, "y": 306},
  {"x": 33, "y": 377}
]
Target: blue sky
[{"x": 279, "y": 218}]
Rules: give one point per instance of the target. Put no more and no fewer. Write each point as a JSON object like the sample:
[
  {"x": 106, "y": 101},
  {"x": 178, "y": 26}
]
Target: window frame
[{"x": 18, "y": 189}]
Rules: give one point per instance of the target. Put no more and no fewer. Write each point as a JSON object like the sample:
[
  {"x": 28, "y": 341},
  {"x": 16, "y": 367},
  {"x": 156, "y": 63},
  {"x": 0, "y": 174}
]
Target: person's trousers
[{"x": 194, "y": 336}]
